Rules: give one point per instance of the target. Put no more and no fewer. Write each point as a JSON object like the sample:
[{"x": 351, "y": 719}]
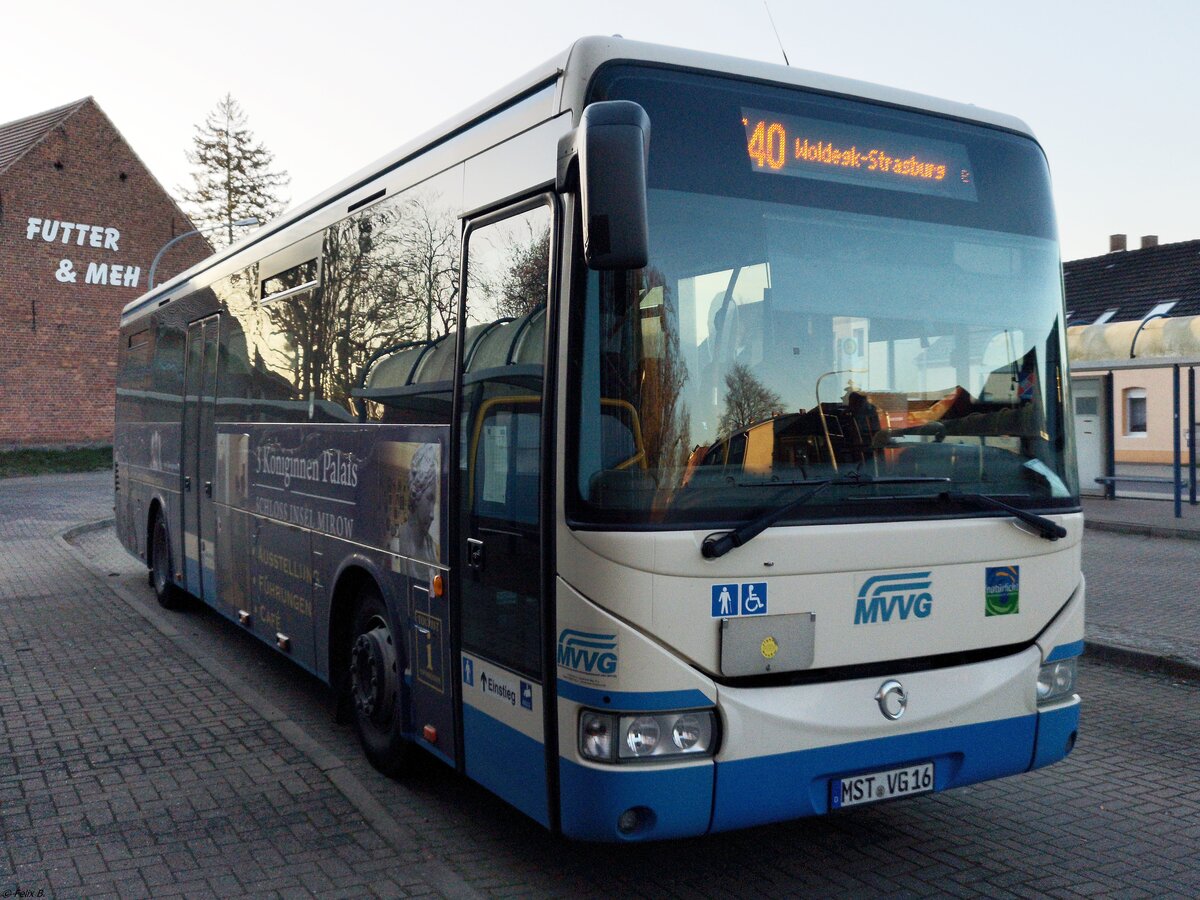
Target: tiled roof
[
  {"x": 17, "y": 137},
  {"x": 1133, "y": 282}
]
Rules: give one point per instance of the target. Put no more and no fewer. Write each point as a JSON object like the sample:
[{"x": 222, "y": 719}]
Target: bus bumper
[
  {"x": 791, "y": 785},
  {"x": 974, "y": 723},
  {"x": 668, "y": 802},
  {"x": 1057, "y": 730}
]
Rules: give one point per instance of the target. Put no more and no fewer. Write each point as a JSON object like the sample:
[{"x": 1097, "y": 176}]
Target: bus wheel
[
  {"x": 376, "y": 676},
  {"x": 168, "y": 595}
]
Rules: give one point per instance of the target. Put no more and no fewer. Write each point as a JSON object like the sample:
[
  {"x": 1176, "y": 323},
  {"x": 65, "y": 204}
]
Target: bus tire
[
  {"x": 168, "y": 595},
  {"x": 376, "y": 682}
]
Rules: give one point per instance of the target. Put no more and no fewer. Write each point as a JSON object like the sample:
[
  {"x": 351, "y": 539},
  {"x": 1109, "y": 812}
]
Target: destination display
[{"x": 832, "y": 151}]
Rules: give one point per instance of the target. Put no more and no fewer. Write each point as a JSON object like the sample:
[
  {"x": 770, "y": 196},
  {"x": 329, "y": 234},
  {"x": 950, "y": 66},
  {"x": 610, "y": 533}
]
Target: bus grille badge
[{"x": 892, "y": 699}]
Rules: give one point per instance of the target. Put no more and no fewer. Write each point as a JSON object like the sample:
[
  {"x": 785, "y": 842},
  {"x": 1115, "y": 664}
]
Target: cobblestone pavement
[
  {"x": 125, "y": 770},
  {"x": 1141, "y": 565},
  {"x": 140, "y": 763},
  {"x": 1142, "y": 594}
]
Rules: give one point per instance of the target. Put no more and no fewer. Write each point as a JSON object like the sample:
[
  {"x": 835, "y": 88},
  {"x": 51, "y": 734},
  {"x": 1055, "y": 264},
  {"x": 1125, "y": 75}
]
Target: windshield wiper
[
  {"x": 715, "y": 546},
  {"x": 856, "y": 478},
  {"x": 1047, "y": 528}
]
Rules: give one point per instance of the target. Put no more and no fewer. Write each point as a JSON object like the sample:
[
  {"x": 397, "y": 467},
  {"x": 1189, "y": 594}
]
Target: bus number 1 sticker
[{"x": 429, "y": 650}]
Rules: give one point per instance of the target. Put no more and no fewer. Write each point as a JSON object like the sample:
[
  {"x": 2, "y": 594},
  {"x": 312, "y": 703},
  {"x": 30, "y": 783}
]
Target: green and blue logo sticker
[{"x": 1002, "y": 590}]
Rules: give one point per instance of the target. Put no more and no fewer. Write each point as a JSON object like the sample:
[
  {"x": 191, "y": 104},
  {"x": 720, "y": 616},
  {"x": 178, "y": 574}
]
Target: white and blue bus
[{"x": 671, "y": 443}]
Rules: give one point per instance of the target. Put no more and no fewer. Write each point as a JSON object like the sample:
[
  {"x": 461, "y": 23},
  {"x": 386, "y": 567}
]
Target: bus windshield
[{"x": 837, "y": 291}]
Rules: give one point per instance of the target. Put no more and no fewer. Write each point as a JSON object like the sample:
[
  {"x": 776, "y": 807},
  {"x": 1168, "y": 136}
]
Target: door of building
[{"x": 1090, "y": 432}]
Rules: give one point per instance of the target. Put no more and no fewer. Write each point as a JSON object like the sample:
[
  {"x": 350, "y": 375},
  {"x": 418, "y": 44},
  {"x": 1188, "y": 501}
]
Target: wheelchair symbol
[{"x": 754, "y": 598}]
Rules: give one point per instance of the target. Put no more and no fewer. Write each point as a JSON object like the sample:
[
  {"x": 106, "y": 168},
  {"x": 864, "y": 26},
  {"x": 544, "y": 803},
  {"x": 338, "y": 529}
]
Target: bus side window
[{"x": 390, "y": 282}]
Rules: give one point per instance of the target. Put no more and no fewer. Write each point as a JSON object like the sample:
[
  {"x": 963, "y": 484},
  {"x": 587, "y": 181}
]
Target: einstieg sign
[{"x": 93, "y": 237}]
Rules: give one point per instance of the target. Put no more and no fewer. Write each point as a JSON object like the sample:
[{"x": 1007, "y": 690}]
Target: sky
[{"x": 1109, "y": 88}]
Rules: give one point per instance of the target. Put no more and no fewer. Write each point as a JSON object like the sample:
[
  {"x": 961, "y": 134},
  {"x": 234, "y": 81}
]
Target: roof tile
[
  {"x": 19, "y": 136},
  {"x": 1133, "y": 282}
]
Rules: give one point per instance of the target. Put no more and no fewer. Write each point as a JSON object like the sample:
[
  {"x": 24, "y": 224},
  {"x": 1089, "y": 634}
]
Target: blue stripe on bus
[
  {"x": 593, "y": 798},
  {"x": 1065, "y": 651},
  {"x": 790, "y": 785},
  {"x": 650, "y": 701},
  {"x": 509, "y": 764},
  {"x": 1056, "y": 735}
]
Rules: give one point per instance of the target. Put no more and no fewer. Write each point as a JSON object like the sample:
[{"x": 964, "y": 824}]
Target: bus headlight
[
  {"x": 605, "y": 737},
  {"x": 641, "y": 737},
  {"x": 1056, "y": 680}
]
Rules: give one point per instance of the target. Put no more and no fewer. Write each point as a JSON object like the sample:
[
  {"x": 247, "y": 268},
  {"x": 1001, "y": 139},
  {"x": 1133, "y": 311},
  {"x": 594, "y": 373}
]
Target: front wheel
[
  {"x": 168, "y": 595},
  {"x": 376, "y": 685}
]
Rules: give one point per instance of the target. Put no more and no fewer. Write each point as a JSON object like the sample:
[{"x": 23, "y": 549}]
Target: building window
[
  {"x": 1135, "y": 412},
  {"x": 1160, "y": 310}
]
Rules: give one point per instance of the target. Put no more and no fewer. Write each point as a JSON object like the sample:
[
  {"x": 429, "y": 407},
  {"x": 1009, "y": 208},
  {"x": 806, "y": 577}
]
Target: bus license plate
[{"x": 875, "y": 786}]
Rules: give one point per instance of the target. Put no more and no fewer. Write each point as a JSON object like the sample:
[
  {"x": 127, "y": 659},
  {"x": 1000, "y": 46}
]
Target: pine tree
[{"x": 233, "y": 175}]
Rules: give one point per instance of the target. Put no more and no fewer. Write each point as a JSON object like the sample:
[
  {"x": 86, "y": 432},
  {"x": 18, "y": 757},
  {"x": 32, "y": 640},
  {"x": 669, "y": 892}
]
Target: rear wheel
[
  {"x": 161, "y": 565},
  {"x": 376, "y": 684}
]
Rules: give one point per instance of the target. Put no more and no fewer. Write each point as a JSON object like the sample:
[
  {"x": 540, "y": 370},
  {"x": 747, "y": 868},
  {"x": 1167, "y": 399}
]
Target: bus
[{"x": 671, "y": 443}]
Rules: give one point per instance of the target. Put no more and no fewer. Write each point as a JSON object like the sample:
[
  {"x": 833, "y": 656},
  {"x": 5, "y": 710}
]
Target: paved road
[{"x": 138, "y": 771}]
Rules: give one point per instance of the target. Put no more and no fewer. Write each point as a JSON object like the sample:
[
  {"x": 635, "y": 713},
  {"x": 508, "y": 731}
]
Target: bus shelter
[{"x": 1157, "y": 346}]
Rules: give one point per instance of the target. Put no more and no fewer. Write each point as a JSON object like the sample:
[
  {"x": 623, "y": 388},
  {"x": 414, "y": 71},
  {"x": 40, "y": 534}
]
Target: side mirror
[{"x": 609, "y": 150}]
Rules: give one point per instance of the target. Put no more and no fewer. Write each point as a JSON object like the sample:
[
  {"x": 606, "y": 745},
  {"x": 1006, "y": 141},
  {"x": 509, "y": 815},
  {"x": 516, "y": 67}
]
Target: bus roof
[
  {"x": 571, "y": 72},
  {"x": 588, "y": 54}
]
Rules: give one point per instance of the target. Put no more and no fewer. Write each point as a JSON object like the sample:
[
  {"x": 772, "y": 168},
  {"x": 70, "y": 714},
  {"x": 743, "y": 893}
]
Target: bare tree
[
  {"x": 665, "y": 419},
  {"x": 522, "y": 287},
  {"x": 428, "y": 265},
  {"x": 747, "y": 400},
  {"x": 390, "y": 279}
]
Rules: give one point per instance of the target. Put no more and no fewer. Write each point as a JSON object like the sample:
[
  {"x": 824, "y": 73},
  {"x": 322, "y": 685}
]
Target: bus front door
[
  {"x": 498, "y": 561},
  {"x": 198, "y": 448}
]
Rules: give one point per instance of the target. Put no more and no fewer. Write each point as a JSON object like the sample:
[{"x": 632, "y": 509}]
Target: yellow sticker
[{"x": 769, "y": 647}]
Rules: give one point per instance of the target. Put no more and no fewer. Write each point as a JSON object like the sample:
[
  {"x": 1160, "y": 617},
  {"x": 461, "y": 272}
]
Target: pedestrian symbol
[
  {"x": 468, "y": 672},
  {"x": 526, "y": 695},
  {"x": 754, "y": 598},
  {"x": 724, "y": 600}
]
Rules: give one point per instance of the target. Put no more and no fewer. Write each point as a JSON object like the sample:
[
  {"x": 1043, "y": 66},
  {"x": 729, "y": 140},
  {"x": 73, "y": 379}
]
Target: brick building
[{"x": 81, "y": 219}]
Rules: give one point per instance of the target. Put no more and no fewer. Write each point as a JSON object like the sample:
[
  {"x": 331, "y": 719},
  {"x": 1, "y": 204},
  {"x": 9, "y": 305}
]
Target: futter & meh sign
[{"x": 78, "y": 234}]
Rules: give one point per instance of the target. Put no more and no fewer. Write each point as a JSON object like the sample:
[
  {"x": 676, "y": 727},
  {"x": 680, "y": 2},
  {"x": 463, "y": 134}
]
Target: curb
[
  {"x": 86, "y": 528},
  {"x": 1143, "y": 661},
  {"x": 1136, "y": 528},
  {"x": 434, "y": 872}
]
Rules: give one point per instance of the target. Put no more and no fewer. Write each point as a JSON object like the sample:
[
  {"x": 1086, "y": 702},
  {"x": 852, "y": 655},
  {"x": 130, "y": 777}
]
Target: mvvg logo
[
  {"x": 901, "y": 595},
  {"x": 583, "y": 651}
]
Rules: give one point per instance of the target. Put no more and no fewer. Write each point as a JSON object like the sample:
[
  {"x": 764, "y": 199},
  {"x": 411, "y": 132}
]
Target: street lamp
[
  {"x": 1133, "y": 343},
  {"x": 240, "y": 223}
]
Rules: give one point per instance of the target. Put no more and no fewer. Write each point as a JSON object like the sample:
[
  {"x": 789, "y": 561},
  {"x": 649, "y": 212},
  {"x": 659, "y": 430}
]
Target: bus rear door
[{"x": 198, "y": 448}]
